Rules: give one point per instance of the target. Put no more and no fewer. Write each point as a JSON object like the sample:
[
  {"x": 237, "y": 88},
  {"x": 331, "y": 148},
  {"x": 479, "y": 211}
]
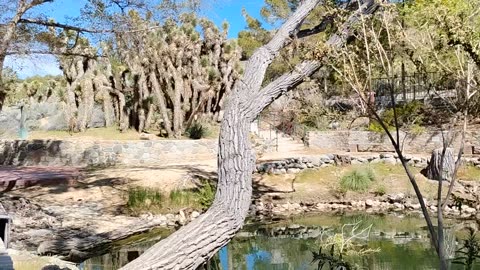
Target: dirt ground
[{"x": 107, "y": 187}]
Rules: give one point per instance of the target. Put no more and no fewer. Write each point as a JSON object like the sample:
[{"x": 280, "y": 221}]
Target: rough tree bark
[
  {"x": 435, "y": 170},
  {"x": 195, "y": 243}
]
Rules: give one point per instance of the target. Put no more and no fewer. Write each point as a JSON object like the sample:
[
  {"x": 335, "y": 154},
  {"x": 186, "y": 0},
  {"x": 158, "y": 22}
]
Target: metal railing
[
  {"x": 418, "y": 86},
  {"x": 272, "y": 126}
]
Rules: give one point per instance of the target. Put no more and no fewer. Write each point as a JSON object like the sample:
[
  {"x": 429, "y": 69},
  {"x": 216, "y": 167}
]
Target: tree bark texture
[
  {"x": 435, "y": 170},
  {"x": 195, "y": 243}
]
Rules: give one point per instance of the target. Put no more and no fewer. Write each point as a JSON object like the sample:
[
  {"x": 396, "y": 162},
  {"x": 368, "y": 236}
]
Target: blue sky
[{"x": 61, "y": 10}]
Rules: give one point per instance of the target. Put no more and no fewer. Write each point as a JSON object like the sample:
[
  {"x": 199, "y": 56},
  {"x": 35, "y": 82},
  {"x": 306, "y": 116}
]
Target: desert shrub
[
  {"x": 380, "y": 190},
  {"x": 469, "y": 251},
  {"x": 181, "y": 198},
  {"x": 196, "y": 131},
  {"x": 408, "y": 115},
  {"x": 144, "y": 198},
  {"x": 141, "y": 199},
  {"x": 357, "y": 180},
  {"x": 200, "y": 198}
]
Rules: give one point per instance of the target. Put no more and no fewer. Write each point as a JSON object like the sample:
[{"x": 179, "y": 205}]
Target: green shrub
[
  {"x": 417, "y": 130},
  {"x": 196, "y": 131},
  {"x": 198, "y": 198},
  {"x": 206, "y": 195},
  {"x": 380, "y": 190},
  {"x": 144, "y": 198},
  {"x": 357, "y": 180},
  {"x": 181, "y": 197},
  {"x": 410, "y": 114}
]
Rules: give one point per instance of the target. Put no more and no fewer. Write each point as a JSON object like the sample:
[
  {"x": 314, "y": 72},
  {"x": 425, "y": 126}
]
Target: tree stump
[{"x": 433, "y": 169}]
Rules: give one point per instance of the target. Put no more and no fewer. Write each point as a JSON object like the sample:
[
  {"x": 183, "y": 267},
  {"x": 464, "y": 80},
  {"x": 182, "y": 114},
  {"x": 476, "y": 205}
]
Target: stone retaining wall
[
  {"x": 104, "y": 153},
  {"x": 296, "y": 164},
  {"x": 366, "y": 141}
]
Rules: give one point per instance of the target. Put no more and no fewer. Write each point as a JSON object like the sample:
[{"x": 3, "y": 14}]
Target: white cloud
[{"x": 32, "y": 65}]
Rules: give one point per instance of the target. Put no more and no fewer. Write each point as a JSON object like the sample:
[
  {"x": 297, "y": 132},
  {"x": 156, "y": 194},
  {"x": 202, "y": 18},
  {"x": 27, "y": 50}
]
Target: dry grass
[
  {"x": 105, "y": 133},
  {"x": 469, "y": 173},
  {"x": 108, "y": 133},
  {"x": 154, "y": 200},
  {"x": 324, "y": 183}
]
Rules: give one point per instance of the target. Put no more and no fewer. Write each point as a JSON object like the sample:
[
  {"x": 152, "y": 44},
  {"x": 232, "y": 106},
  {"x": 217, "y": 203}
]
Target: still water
[{"x": 369, "y": 242}]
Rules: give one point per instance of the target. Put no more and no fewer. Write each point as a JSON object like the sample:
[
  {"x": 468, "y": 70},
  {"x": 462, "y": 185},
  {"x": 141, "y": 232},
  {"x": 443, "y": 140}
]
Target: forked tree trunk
[{"x": 192, "y": 245}]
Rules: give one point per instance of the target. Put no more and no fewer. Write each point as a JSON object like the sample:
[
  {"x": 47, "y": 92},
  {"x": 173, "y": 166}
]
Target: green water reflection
[{"x": 403, "y": 243}]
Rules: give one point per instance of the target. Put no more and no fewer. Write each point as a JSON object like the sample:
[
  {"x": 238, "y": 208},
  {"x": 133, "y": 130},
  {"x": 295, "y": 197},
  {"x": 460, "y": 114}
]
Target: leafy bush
[
  {"x": 357, "y": 180},
  {"x": 469, "y": 252},
  {"x": 196, "y": 131},
  {"x": 410, "y": 114}
]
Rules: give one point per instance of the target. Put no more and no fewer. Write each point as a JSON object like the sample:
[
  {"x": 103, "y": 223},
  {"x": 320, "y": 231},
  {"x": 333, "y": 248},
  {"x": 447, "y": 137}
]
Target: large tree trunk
[
  {"x": 195, "y": 243},
  {"x": 200, "y": 239},
  {"x": 161, "y": 103},
  {"x": 85, "y": 108}
]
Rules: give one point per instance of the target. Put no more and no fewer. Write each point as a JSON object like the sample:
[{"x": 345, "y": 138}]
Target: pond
[{"x": 369, "y": 242}]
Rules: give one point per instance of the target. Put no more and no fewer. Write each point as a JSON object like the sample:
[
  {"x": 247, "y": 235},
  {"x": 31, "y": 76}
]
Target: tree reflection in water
[
  {"x": 330, "y": 261},
  {"x": 343, "y": 245}
]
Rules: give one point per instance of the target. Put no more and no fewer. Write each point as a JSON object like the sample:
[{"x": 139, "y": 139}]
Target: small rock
[
  {"x": 161, "y": 218},
  {"x": 397, "y": 198},
  {"x": 375, "y": 161},
  {"x": 279, "y": 171},
  {"x": 386, "y": 155},
  {"x": 316, "y": 161},
  {"x": 295, "y": 205},
  {"x": 468, "y": 210},
  {"x": 182, "y": 215},
  {"x": 362, "y": 160},
  {"x": 415, "y": 206},
  {"x": 321, "y": 206},
  {"x": 390, "y": 160},
  {"x": 195, "y": 214},
  {"x": 371, "y": 203},
  {"x": 398, "y": 206},
  {"x": 294, "y": 226},
  {"x": 293, "y": 170}
]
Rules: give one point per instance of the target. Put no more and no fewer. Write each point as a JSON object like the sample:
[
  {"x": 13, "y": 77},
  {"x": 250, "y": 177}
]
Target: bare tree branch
[{"x": 305, "y": 69}]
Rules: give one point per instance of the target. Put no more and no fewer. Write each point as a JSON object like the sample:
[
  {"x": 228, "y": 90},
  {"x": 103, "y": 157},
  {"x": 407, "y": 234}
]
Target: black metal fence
[{"x": 418, "y": 86}]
